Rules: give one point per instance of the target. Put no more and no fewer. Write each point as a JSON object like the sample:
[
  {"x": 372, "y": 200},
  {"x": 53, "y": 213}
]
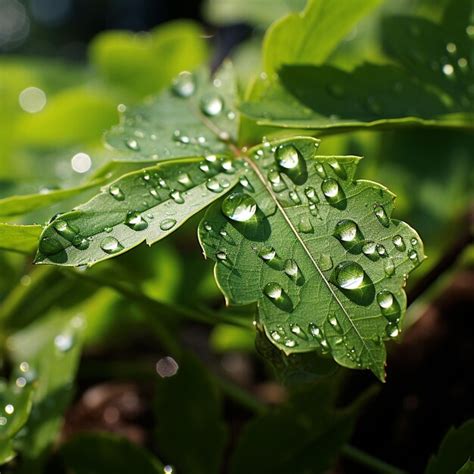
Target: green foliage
[
  {"x": 101, "y": 452},
  {"x": 201, "y": 432},
  {"x": 456, "y": 451},
  {"x": 19, "y": 238},
  {"x": 427, "y": 84}
]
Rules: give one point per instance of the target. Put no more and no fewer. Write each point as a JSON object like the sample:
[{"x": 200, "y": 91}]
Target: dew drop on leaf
[
  {"x": 111, "y": 245},
  {"x": 347, "y": 231},
  {"x": 135, "y": 221},
  {"x": 275, "y": 293},
  {"x": 245, "y": 183},
  {"x": 212, "y": 105},
  {"x": 388, "y": 305},
  {"x": 320, "y": 170},
  {"x": 221, "y": 255},
  {"x": 413, "y": 255},
  {"x": 167, "y": 224},
  {"x": 338, "y": 169},
  {"x": 116, "y": 192},
  {"x": 184, "y": 84},
  {"x": 381, "y": 250},
  {"x": 398, "y": 242},
  {"x": 381, "y": 215},
  {"x": 297, "y": 331},
  {"x": 213, "y": 185},
  {"x": 290, "y": 343},
  {"x": 80, "y": 242},
  {"x": 389, "y": 267},
  {"x": 349, "y": 275},
  {"x": 304, "y": 225},
  {"x": 185, "y": 180},
  {"x": 310, "y": 193},
  {"x": 369, "y": 248},
  {"x": 132, "y": 144},
  {"x": 330, "y": 188},
  {"x": 293, "y": 271},
  {"x": 325, "y": 262},
  {"x": 287, "y": 156},
  {"x": 177, "y": 197},
  {"x": 64, "y": 229},
  {"x": 276, "y": 181},
  {"x": 239, "y": 207},
  {"x": 392, "y": 330}
]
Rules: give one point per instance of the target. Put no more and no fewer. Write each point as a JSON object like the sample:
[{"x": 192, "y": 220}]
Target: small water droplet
[
  {"x": 9, "y": 409},
  {"x": 135, "y": 221},
  {"x": 398, "y": 242},
  {"x": 294, "y": 196},
  {"x": 381, "y": 250},
  {"x": 245, "y": 183},
  {"x": 167, "y": 224},
  {"x": 413, "y": 255},
  {"x": 392, "y": 330},
  {"x": 297, "y": 331},
  {"x": 132, "y": 144},
  {"x": 214, "y": 185},
  {"x": 275, "y": 335},
  {"x": 111, "y": 245},
  {"x": 212, "y": 105},
  {"x": 228, "y": 166},
  {"x": 368, "y": 249},
  {"x": 177, "y": 197},
  {"x": 349, "y": 275},
  {"x": 414, "y": 242},
  {"x": 290, "y": 343},
  {"x": 275, "y": 293},
  {"x": 389, "y": 305},
  {"x": 347, "y": 231},
  {"x": 381, "y": 215},
  {"x": 221, "y": 255},
  {"x": 185, "y": 180},
  {"x": 320, "y": 170},
  {"x": 291, "y": 163},
  {"x": 116, "y": 192},
  {"x": 64, "y": 229},
  {"x": 239, "y": 207},
  {"x": 276, "y": 181},
  {"x": 389, "y": 267},
  {"x": 64, "y": 342},
  {"x": 81, "y": 243},
  {"x": 293, "y": 271},
  {"x": 325, "y": 262},
  {"x": 204, "y": 167},
  {"x": 338, "y": 169},
  {"x": 184, "y": 84},
  {"x": 304, "y": 225},
  {"x": 311, "y": 195},
  {"x": 330, "y": 187},
  {"x": 335, "y": 324}
]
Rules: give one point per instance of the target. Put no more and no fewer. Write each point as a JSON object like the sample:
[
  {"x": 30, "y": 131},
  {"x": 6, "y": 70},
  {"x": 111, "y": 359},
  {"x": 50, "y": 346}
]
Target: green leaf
[
  {"x": 467, "y": 468},
  {"x": 256, "y": 12},
  {"x": 429, "y": 84},
  {"x": 144, "y": 64},
  {"x": 15, "y": 400},
  {"x": 310, "y": 36},
  {"x": 46, "y": 353},
  {"x": 21, "y": 204},
  {"x": 195, "y": 117},
  {"x": 19, "y": 238},
  {"x": 107, "y": 452},
  {"x": 184, "y": 428},
  {"x": 286, "y": 439},
  {"x": 456, "y": 450},
  {"x": 143, "y": 206},
  {"x": 317, "y": 250}
]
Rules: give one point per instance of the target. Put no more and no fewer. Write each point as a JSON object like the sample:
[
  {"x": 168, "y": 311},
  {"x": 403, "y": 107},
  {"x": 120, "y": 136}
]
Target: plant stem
[{"x": 374, "y": 464}]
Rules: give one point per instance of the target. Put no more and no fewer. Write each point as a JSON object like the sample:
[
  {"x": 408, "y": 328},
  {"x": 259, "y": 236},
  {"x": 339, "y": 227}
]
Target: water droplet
[
  {"x": 451, "y": 48},
  {"x": 65, "y": 229},
  {"x": 275, "y": 293},
  {"x": 185, "y": 180},
  {"x": 325, "y": 262},
  {"x": 221, "y": 255},
  {"x": 392, "y": 330},
  {"x": 111, "y": 245},
  {"x": 245, "y": 183},
  {"x": 389, "y": 267},
  {"x": 313, "y": 209},
  {"x": 204, "y": 167},
  {"x": 291, "y": 163},
  {"x": 413, "y": 255},
  {"x": 293, "y": 271},
  {"x": 228, "y": 166},
  {"x": 330, "y": 187},
  {"x": 80, "y": 242},
  {"x": 318, "y": 335},
  {"x": 320, "y": 170},
  {"x": 311, "y": 195},
  {"x": 389, "y": 305},
  {"x": 116, "y": 192},
  {"x": 214, "y": 185},
  {"x": 349, "y": 275},
  {"x": 177, "y": 197},
  {"x": 338, "y": 169},
  {"x": 381, "y": 250},
  {"x": 132, "y": 144},
  {"x": 135, "y": 221},
  {"x": 153, "y": 192},
  {"x": 9, "y": 409},
  {"x": 290, "y": 343},
  {"x": 347, "y": 231},
  {"x": 448, "y": 70},
  {"x": 297, "y": 331},
  {"x": 212, "y": 105},
  {"x": 414, "y": 242},
  {"x": 167, "y": 224},
  {"x": 276, "y": 181},
  {"x": 398, "y": 242},
  {"x": 239, "y": 207},
  {"x": 368, "y": 249},
  {"x": 64, "y": 342},
  {"x": 3, "y": 421},
  {"x": 334, "y": 323},
  {"x": 294, "y": 196},
  {"x": 304, "y": 225},
  {"x": 275, "y": 335},
  {"x": 381, "y": 215},
  {"x": 184, "y": 84}
]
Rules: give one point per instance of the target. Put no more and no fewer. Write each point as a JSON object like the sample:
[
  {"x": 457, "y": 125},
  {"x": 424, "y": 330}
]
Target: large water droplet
[
  {"x": 184, "y": 84},
  {"x": 167, "y": 224},
  {"x": 291, "y": 163},
  {"x": 389, "y": 305},
  {"x": 239, "y": 207},
  {"x": 275, "y": 293},
  {"x": 333, "y": 192},
  {"x": 116, "y": 192},
  {"x": 111, "y": 245},
  {"x": 135, "y": 221},
  {"x": 381, "y": 215},
  {"x": 349, "y": 275},
  {"x": 212, "y": 105},
  {"x": 348, "y": 233},
  {"x": 64, "y": 229},
  {"x": 369, "y": 250}
]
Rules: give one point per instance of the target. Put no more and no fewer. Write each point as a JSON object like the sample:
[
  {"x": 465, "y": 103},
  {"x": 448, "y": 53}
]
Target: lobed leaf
[
  {"x": 195, "y": 117},
  {"x": 316, "y": 250},
  {"x": 142, "y": 206}
]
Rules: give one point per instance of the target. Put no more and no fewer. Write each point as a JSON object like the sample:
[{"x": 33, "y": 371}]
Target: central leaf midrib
[{"x": 305, "y": 248}]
